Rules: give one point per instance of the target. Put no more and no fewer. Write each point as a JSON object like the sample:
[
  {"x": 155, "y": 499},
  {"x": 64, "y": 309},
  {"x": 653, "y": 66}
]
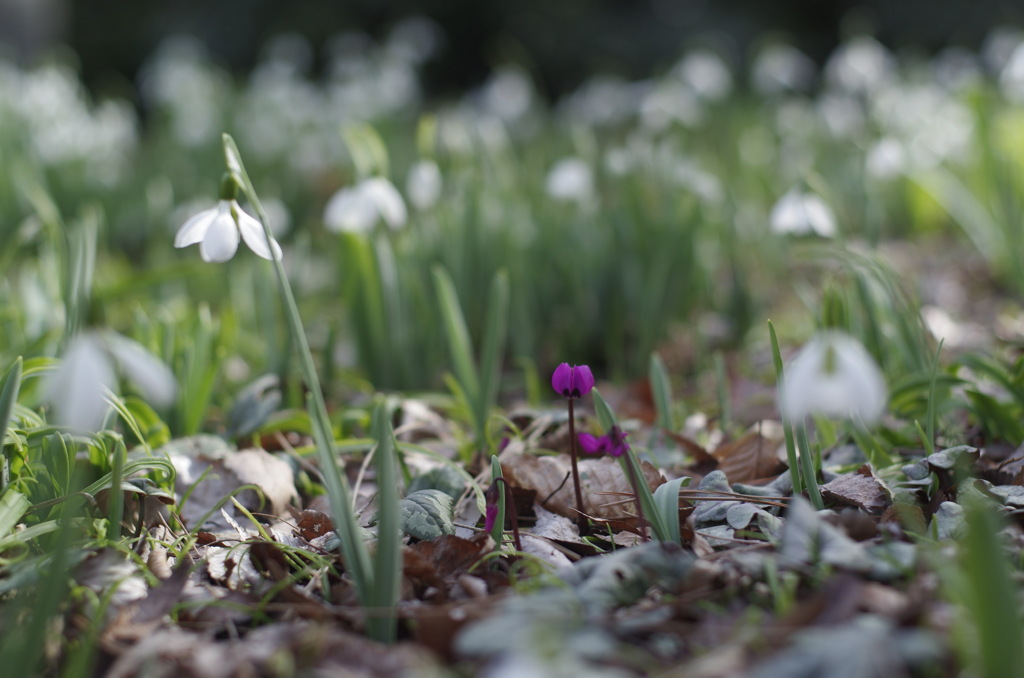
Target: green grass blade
[
  {"x": 8, "y": 398},
  {"x": 661, "y": 388},
  {"x": 13, "y": 505},
  {"x": 459, "y": 344},
  {"x": 993, "y": 594},
  {"x": 494, "y": 339},
  {"x": 498, "y": 531},
  {"x": 387, "y": 574},
  {"x": 791, "y": 458}
]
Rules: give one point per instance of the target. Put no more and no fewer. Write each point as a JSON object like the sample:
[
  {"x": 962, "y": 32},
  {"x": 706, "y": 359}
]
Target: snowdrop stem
[
  {"x": 581, "y": 518},
  {"x": 787, "y": 427},
  {"x": 807, "y": 466},
  {"x": 357, "y": 560}
]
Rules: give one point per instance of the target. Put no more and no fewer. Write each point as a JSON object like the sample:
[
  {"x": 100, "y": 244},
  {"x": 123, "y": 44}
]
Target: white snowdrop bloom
[
  {"x": 801, "y": 213},
  {"x": 217, "y": 230},
  {"x": 886, "y": 159},
  {"x": 833, "y": 375},
  {"x": 356, "y": 209},
  {"x": 1011, "y": 78},
  {"x": 570, "y": 179},
  {"x": 706, "y": 74},
  {"x": 782, "y": 68},
  {"x": 508, "y": 93},
  {"x": 423, "y": 185},
  {"x": 859, "y": 66},
  {"x": 88, "y": 370}
]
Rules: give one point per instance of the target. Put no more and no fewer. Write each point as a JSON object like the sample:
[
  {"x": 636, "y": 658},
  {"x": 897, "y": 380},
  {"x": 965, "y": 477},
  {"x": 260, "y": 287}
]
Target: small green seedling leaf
[
  {"x": 427, "y": 514},
  {"x": 666, "y": 499}
]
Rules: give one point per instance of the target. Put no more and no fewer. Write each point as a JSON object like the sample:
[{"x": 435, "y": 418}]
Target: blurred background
[{"x": 559, "y": 43}]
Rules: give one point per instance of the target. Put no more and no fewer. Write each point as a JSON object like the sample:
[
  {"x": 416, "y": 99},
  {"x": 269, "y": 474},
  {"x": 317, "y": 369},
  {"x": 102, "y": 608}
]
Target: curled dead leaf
[{"x": 607, "y": 491}]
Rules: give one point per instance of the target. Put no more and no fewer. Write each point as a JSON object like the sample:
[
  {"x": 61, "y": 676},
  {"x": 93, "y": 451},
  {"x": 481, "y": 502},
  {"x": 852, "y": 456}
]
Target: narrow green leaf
[
  {"x": 993, "y": 593},
  {"x": 498, "y": 530},
  {"x": 387, "y": 574},
  {"x": 459, "y": 344},
  {"x": 661, "y": 388},
  {"x": 791, "y": 458},
  {"x": 9, "y": 388},
  {"x": 13, "y": 505},
  {"x": 493, "y": 353},
  {"x": 606, "y": 416}
]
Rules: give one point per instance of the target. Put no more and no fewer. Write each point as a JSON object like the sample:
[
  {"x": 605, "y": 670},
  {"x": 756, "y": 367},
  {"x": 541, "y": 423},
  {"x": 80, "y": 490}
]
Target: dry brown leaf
[
  {"x": 316, "y": 649},
  {"x": 860, "y": 489},
  {"x": 752, "y": 456},
  {"x": 209, "y": 477},
  {"x": 607, "y": 492}
]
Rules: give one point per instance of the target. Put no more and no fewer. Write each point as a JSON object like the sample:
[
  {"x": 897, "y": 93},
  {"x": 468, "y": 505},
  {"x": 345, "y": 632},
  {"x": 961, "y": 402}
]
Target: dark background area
[{"x": 560, "y": 42}]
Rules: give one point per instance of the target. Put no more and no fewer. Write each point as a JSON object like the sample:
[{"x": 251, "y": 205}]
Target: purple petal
[
  {"x": 561, "y": 380},
  {"x": 617, "y": 445},
  {"x": 592, "y": 444},
  {"x": 583, "y": 380},
  {"x": 491, "y": 517}
]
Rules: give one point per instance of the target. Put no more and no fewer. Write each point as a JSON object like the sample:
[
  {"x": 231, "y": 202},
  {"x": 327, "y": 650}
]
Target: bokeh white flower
[
  {"x": 802, "y": 213},
  {"x": 357, "y": 209},
  {"x": 570, "y": 179},
  {"x": 424, "y": 184},
  {"x": 833, "y": 375},
  {"x": 217, "y": 232},
  {"x": 88, "y": 371}
]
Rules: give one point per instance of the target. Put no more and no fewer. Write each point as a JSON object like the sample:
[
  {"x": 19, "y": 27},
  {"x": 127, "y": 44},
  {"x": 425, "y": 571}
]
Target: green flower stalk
[{"x": 218, "y": 231}]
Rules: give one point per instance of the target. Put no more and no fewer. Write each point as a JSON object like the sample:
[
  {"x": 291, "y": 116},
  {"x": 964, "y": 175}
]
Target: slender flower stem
[
  {"x": 356, "y": 557},
  {"x": 581, "y": 518}
]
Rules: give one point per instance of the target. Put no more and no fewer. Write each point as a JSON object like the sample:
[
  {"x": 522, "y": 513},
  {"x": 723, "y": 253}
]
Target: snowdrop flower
[
  {"x": 781, "y": 68},
  {"x": 706, "y": 73},
  {"x": 217, "y": 230},
  {"x": 356, "y": 209},
  {"x": 886, "y": 159},
  {"x": 423, "y": 184},
  {"x": 88, "y": 370},
  {"x": 800, "y": 213},
  {"x": 570, "y": 179},
  {"x": 835, "y": 376}
]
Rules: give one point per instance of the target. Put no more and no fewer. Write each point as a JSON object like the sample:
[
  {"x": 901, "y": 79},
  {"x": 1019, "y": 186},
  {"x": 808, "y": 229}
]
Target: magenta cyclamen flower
[
  {"x": 490, "y": 517},
  {"x": 572, "y": 381},
  {"x": 614, "y": 443}
]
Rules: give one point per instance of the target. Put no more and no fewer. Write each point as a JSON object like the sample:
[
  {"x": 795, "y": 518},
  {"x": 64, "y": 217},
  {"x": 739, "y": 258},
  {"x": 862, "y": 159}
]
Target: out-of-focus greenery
[{"x": 626, "y": 214}]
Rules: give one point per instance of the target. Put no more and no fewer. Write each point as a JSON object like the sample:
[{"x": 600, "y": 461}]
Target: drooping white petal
[
  {"x": 153, "y": 378},
  {"x": 801, "y": 213},
  {"x": 387, "y": 200},
  {"x": 221, "y": 241},
  {"x": 194, "y": 230},
  {"x": 255, "y": 238},
  {"x": 350, "y": 210},
  {"x": 77, "y": 389},
  {"x": 835, "y": 376}
]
